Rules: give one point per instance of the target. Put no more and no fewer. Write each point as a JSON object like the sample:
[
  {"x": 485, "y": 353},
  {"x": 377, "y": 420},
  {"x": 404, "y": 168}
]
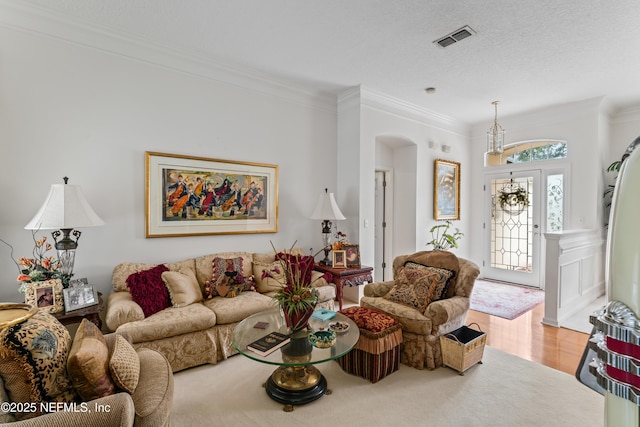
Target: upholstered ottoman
[{"x": 377, "y": 353}]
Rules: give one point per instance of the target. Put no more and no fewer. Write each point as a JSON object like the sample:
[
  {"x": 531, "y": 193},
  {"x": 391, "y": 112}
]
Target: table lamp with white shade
[
  {"x": 327, "y": 210},
  {"x": 65, "y": 208}
]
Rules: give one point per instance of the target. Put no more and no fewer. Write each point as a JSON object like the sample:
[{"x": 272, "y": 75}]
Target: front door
[{"x": 512, "y": 227}]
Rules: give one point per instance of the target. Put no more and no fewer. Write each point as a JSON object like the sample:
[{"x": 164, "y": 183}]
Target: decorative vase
[{"x": 298, "y": 320}]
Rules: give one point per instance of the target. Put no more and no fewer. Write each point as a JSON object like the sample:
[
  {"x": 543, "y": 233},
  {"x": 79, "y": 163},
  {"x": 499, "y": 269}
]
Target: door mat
[{"x": 504, "y": 300}]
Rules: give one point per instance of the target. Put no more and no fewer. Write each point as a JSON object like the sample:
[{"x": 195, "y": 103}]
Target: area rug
[
  {"x": 503, "y": 391},
  {"x": 504, "y": 300}
]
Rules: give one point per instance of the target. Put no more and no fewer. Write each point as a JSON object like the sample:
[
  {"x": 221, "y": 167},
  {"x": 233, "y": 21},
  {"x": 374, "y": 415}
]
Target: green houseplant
[
  {"x": 513, "y": 198},
  {"x": 442, "y": 239},
  {"x": 296, "y": 297}
]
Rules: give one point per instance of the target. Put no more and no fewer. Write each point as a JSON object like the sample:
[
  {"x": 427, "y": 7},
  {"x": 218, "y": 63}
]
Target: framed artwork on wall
[
  {"x": 191, "y": 196},
  {"x": 446, "y": 190},
  {"x": 46, "y": 295}
]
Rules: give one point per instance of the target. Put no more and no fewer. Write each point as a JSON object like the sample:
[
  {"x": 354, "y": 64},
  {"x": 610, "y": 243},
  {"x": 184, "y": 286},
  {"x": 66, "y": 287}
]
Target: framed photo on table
[
  {"x": 446, "y": 190},
  {"x": 46, "y": 295},
  {"x": 352, "y": 253},
  {"x": 195, "y": 196},
  {"x": 79, "y": 297},
  {"x": 339, "y": 259}
]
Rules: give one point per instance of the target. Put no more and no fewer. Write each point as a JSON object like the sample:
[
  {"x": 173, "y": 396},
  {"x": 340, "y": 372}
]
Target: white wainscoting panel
[{"x": 574, "y": 275}]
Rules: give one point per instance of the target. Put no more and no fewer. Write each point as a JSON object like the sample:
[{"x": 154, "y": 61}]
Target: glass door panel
[{"x": 512, "y": 225}]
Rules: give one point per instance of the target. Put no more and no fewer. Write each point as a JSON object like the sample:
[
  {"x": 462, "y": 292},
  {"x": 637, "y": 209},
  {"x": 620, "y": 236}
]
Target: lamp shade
[
  {"x": 64, "y": 207},
  {"x": 327, "y": 208}
]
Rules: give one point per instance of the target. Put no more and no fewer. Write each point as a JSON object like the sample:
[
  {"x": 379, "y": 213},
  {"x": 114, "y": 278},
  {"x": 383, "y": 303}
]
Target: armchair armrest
[
  {"x": 114, "y": 410},
  {"x": 121, "y": 309},
  {"x": 378, "y": 289},
  {"x": 445, "y": 310}
]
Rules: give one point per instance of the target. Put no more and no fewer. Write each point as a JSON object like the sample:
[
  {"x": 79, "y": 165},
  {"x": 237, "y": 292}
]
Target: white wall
[
  {"x": 67, "y": 109},
  {"x": 383, "y": 120}
]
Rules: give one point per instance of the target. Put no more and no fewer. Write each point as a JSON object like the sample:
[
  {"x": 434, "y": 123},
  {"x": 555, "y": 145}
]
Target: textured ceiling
[{"x": 528, "y": 54}]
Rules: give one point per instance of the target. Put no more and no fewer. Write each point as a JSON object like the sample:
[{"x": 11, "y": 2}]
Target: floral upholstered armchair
[
  {"x": 429, "y": 296},
  {"x": 49, "y": 379}
]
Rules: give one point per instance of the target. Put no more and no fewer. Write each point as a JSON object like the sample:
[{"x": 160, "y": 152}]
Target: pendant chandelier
[{"x": 495, "y": 136}]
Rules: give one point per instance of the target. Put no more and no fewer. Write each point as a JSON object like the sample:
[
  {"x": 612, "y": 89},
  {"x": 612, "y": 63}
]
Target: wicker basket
[{"x": 463, "y": 348}]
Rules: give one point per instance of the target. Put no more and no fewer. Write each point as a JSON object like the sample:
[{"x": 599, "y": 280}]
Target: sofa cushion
[
  {"x": 444, "y": 278},
  {"x": 123, "y": 270},
  {"x": 124, "y": 365},
  {"x": 170, "y": 322},
  {"x": 230, "y": 310},
  {"x": 88, "y": 363},
  {"x": 411, "y": 319},
  {"x": 33, "y": 356},
  {"x": 204, "y": 265},
  {"x": 414, "y": 288},
  {"x": 183, "y": 287},
  {"x": 439, "y": 259},
  {"x": 148, "y": 290},
  {"x": 268, "y": 276}
]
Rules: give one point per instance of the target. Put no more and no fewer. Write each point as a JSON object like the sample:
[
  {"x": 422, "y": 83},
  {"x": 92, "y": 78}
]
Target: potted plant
[
  {"x": 513, "y": 197},
  {"x": 442, "y": 240},
  {"x": 297, "y": 297}
]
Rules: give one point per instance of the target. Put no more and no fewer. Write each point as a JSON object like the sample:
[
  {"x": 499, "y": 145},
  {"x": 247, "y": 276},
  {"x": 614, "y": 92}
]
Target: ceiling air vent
[{"x": 454, "y": 37}]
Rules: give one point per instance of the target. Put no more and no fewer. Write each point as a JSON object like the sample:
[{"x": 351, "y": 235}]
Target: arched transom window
[{"x": 528, "y": 151}]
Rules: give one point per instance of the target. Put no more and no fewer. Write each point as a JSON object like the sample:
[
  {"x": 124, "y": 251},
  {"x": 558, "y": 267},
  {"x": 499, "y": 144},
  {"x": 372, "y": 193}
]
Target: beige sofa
[{"x": 201, "y": 332}]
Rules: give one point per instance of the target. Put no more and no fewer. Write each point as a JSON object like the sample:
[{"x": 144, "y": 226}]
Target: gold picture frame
[
  {"x": 446, "y": 190},
  {"x": 46, "y": 295},
  {"x": 196, "y": 196},
  {"x": 339, "y": 259}
]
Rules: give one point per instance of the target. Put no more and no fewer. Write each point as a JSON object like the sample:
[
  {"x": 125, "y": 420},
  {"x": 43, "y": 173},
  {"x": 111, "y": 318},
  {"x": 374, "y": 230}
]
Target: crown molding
[
  {"x": 403, "y": 109},
  {"x": 44, "y": 23},
  {"x": 625, "y": 115}
]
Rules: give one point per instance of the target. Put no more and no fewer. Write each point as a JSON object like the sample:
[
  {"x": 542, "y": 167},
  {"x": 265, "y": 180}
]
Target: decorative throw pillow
[
  {"x": 414, "y": 288},
  {"x": 226, "y": 285},
  {"x": 124, "y": 365},
  {"x": 440, "y": 259},
  {"x": 183, "y": 287},
  {"x": 88, "y": 363},
  {"x": 223, "y": 269},
  {"x": 33, "y": 357},
  {"x": 222, "y": 265},
  {"x": 148, "y": 290},
  {"x": 271, "y": 282},
  {"x": 444, "y": 278}
]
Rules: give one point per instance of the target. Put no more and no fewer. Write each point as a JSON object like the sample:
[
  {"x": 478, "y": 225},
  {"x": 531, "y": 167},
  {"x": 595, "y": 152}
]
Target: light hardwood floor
[{"x": 528, "y": 338}]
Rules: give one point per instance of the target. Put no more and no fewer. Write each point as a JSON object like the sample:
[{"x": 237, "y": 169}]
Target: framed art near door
[{"x": 446, "y": 190}]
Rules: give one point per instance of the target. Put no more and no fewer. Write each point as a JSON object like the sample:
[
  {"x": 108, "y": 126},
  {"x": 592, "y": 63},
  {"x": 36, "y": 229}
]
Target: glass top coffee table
[{"x": 296, "y": 381}]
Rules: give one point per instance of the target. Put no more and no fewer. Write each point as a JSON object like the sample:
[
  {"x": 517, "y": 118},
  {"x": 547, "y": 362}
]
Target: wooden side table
[
  {"x": 352, "y": 276},
  {"x": 91, "y": 313}
]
